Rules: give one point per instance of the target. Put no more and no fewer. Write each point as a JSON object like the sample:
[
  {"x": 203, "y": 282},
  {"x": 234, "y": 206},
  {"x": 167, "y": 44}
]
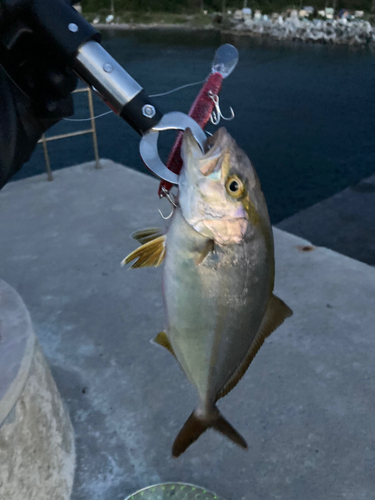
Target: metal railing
[{"x": 91, "y": 130}]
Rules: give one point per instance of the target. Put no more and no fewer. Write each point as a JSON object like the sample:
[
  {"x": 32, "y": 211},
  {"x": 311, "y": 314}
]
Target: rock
[{"x": 341, "y": 31}]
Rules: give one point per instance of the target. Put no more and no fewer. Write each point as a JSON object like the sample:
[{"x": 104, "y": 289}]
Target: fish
[{"x": 218, "y": 277}]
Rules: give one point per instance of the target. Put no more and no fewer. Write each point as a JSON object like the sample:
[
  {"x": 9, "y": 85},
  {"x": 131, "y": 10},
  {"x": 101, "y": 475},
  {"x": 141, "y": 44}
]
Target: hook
[
  {"x": 168, "y": 216},
  {"x": 167, "y": 195},
  {"x": 216, "y": 114}
]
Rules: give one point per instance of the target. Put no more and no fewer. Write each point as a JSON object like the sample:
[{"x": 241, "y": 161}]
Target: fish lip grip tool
[
  {"x": 127, "y": 98},
  {"x": 60, "y": 30},
  {"x": 148, "y": 147},
  {"x": 57, "y": 30}
]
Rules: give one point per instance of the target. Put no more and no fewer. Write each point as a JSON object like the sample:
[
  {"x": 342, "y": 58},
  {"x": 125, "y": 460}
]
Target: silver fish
[{"x": 218, "y": 277}]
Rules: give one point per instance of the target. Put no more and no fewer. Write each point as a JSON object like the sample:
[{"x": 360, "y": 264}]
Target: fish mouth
[
  {"x": 214, "y": 154},
  {"x": 219, "y": 141}
]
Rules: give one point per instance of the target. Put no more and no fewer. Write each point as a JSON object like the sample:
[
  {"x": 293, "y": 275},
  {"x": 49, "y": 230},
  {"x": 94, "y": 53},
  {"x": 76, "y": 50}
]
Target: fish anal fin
[
  {"x": 209, "y": 247},
  {"x": 276, "y": 313},
  {"x": 150, "y": 254},
  {"x": 162, "y": 340}
]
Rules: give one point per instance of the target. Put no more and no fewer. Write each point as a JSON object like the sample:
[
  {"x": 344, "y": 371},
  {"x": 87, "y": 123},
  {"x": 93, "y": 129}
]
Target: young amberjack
[{"x": 218, "y": 277}]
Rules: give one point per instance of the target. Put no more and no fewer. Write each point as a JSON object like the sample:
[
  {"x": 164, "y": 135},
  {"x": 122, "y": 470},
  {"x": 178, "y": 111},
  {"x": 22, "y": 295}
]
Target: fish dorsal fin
[
  {"x": 147, "y": 235},
  {"x": 150, "y": 254},
  {"x": 276, "y": 313},
  {"x": 162, "y": 339}
]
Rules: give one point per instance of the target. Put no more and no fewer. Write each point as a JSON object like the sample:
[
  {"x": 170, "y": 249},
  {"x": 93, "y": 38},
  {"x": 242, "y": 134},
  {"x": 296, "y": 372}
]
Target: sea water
[{"x": 305, "y": 113}]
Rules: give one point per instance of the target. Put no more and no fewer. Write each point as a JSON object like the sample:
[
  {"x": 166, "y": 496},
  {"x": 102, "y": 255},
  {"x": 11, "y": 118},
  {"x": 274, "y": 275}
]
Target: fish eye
[{"x": 234, "y": 186}]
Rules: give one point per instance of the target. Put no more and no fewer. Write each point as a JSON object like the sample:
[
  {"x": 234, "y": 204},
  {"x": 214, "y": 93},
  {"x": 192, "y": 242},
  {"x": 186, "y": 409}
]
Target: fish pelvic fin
[
  {"x": 162, "y": 340},
  {"x": 196, "y": 425},
  {"x": 149, "y": 254},
  {"x": 276, "y": 313}
]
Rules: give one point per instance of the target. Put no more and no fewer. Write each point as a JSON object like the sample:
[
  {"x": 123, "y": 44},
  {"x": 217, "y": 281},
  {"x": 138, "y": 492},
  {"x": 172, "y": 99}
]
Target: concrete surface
[
  {"x": 37, "y": 458},
  {"x": 305, "y": 406},
  {"x": 17, "y": 341},
  {"x": 345, "y": 222}
]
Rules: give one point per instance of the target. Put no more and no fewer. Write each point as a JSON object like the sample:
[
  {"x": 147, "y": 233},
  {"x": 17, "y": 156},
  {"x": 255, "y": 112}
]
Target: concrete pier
[
  {"x": 344, "y": 222},
  {"x": 37, "y": 457},
  {"x": 305, "y": 406}
]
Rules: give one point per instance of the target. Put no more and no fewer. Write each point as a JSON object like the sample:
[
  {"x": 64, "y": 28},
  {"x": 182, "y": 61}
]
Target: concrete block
[{"x": 37, "y": 454}]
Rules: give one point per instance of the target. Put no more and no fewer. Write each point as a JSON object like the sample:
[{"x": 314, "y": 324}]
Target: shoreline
[
  {"x": 144, "y": 26},
  {"x": 252, "y": 32}
]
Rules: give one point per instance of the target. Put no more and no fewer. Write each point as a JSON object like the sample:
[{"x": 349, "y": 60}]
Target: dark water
[{"x": 305, "y": 114}]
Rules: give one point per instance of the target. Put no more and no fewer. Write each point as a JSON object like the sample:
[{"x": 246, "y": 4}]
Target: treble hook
[
  {"x": 216, "y": 114},
  {"x": 167, "y": 195}
]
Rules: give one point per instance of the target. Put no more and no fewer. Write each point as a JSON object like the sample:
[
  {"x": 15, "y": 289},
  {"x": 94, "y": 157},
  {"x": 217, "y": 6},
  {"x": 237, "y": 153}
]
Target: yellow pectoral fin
[
  {"x": 276, "y": 313},
  {"x": 209, "y": 247},
  {"x": 147, "y": 235},
  {"x": 162, "y": 339},
  {"x": 150, "y": 254}
]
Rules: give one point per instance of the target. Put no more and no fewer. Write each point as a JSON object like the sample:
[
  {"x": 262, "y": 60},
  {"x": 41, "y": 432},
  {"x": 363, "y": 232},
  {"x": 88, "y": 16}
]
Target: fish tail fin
[
  {"x": 189, "y": 433},
  {"x": 196, "y": 425},
  {"x": 224, "y": 427}
]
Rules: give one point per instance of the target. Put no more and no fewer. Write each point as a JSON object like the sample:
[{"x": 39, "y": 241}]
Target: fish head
[{"x": 219, "y": 191}]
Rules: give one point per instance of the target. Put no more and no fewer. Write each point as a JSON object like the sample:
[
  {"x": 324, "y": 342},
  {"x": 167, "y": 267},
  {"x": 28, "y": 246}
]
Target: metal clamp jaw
[
  {"x": 127, "y": 98},
  {"x": 148, "y": 147}
]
